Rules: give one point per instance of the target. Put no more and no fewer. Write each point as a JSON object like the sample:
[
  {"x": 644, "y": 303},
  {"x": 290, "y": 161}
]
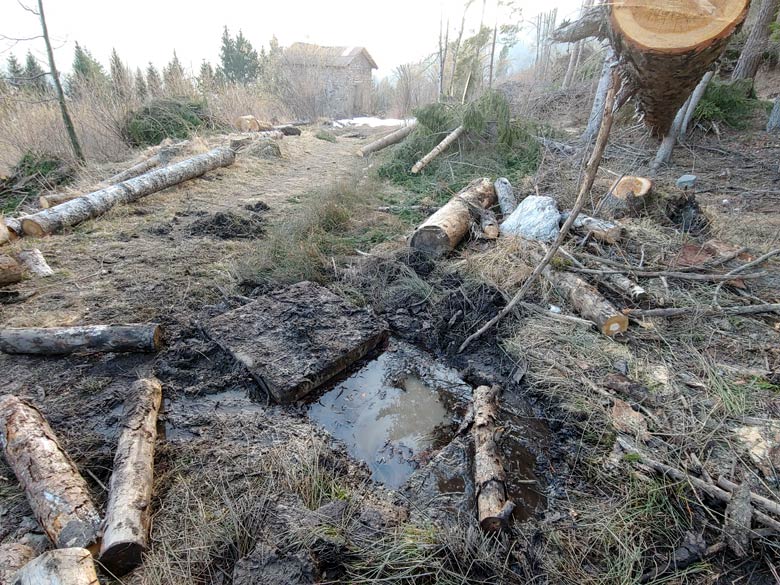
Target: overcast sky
[{"x": 394, "y": 31}]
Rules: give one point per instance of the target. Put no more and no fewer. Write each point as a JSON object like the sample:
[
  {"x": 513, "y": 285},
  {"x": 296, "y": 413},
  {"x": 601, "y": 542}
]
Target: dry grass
[{"x": 229, "y": 102}]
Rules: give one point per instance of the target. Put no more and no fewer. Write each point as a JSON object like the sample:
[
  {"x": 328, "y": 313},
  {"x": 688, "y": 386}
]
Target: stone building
[{"x": 334, "y": 81}]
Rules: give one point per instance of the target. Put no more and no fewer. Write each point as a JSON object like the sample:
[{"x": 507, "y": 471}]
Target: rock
[
  {"x": 686, "y": 182},
  {"x": 288, "y": 130},
  {"x": 265, "y": 566},
  {"x": 265, "y": 149},
  {"x": 536, "y": 218}
]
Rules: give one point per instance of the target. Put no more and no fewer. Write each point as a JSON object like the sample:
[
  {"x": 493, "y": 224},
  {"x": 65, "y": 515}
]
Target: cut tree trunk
[
  {"x": 753, "y": 52},
  {"x": 5, "y": 235},
  {"x": 64, "y": 340},
  {"x": 58, "y": 495},
  {"x": 489, "y": 476},
  {"x": 34, "y": 262},
  {"x": 74, "y": 212},
  {"x": 443, "y": 230},
  {"x": 627, "y": 197},
  {"x": 588, "y": 302},
  {"x": 441, "y": 147},
  {"x": 66, "y": 566},
  {"x": 664, "y": 154},
  {"x": 489, "y": 225},
  {"x": 47, "y": 201},
  {"x": 600, "y": 229},
  {"x": 14, "y": 225},
  {"x": 126, "y": 527},
  {"x": 385, "y": 141},
  {"x": 773, "y": 125},
  {"x": 10, "y": 270},
  {"x": 13, "y": 556},
  {"x": 665, "y": 46}
]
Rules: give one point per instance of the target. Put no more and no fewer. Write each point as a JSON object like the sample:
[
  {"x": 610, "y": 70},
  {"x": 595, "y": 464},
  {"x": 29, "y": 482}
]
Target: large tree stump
[
  {"x": 10, "y": 270},
  {"x": 489, "y": 476},
  {"x": 392, "y": 138},
  {"x": 126, "y": 527},
  {"x": 64, "y": 340},
  {"x": 443, "y": 230},
  {"x": 627, "y": 197},
  {"x": 75, "y": 211},
  {"x": 58, "y": 495},
  {"x": 65, "y": 566}
]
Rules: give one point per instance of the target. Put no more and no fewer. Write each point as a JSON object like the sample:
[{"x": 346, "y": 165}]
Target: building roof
[{"x": 307, "y": 53}]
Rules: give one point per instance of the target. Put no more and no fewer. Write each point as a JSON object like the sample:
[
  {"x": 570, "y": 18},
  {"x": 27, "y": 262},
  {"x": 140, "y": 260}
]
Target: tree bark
[
  {"x": 443, "y": 230},
  {"x": 753, "y": 52},
  {"x": 600, "y": 229},
  {"x": 597, "y": 111},
  {"x": 592, "y": 23},
  {"x": 14, "y": 226},
  {"x": 773, "y": 125},
  {"x": 74, "y": 212},
  {"x": 489, "y": 476},
  {"x": 489, "y": 225},
  {"x": 392, "y": 138},
  {"x": 58, "y": 495},
  {"x": 35, "y": 263},
  {"x": 441, "y": 147},
  {"x": 65, "y": 566},
  {"x": 627, "y": 197},
  {"x": 13, "y": 556},
  {"x": 626, "y": 287},
  {"x": 64, "y": 340},
  {"x": 10, "y": 270},
  {"x": 126, "y": 527},
  {"x": 665, "y": 47},
  {"x": 694, "y": 100},
  {"x": 5, "y": 235},
  {"x": 664, "y": 154}
]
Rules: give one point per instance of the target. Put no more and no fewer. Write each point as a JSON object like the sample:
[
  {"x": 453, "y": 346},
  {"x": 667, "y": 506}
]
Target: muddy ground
[{"x": 238, "y": 480}]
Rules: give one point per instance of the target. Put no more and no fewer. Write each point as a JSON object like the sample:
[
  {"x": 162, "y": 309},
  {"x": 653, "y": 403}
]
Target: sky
[{"x": 143, "y": 31}]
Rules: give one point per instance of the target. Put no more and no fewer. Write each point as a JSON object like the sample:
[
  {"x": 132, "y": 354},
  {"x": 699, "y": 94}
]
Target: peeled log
[
  {"x": 489, "y": 476},
  {"x": 34, "y": 262},
  {"x": 66, "y": 566},
  {"x": 665, "y": 46},
  {"x": 441, "y": 147},
  {"x": 627, "y": 197},
  {"x": 601, "y": 229},
  {"x": 10, "y": 270},
  {"x": 58, "y": 495},
  {"x": 77, "y": 210},
  {"x": 13, "y": 556},
  {"x": 126, "y": 532},
  {"x": 588, "y": 302},
  {"x": 442, "y": 231},
  {"x": 64, "y": 340},
  {"x": 385, "y": 141}
]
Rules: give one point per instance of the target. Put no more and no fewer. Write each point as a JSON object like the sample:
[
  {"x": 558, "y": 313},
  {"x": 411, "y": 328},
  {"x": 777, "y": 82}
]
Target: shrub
[
  {"x": 164, "y": 118},
  {"x": 35, "y": 172},
  {"x": 729, "y": 103},
  {"x": 325, "y": 135}
]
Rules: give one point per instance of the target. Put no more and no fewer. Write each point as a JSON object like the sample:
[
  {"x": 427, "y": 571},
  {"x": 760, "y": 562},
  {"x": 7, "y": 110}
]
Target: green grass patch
[
  {"x": 325, "y": 135},
  {"x": 35, "y": 172},
  {"x": 164, "y": 118}
]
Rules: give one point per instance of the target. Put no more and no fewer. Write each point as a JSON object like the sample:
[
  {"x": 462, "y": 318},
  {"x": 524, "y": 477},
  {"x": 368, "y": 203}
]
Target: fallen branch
[
  {"x": 65, "y": 566},
  {"x": 587, "y": 184},
  {"x": 441, "y": 147},
  {"x": 704, "y": 311},
  {"x": 64, "y": 340},
  {"x": 666, "y": 274},
  {"x": 392, "y": 138},
  {"x": 760, "y": 260},
  {"x": 34, "y": 262}
]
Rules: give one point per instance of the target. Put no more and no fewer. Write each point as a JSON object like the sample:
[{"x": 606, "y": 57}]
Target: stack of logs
[{"x": 60, "y": 499}]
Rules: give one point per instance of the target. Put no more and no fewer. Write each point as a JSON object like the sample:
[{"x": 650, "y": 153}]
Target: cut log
[
  {"x": 441, "y": 147},
  {"x": 489, "y": 225},
  {"x": 588, "y": 302},
  {"x": 13, "y": 556},
  {"x": 626, "y": 287},
  {"x": 600, "y": 229},
  {"x": 489, "y": 476},
  {"x": 627, "y": 197},
  {"x": 64, "y": 340},
  {"x": 443, "y": 230},
  {"x": 10, "y": 270},
  {"x": 66, "y": 566},
  {"x": 34, "y": 262},
  {"x": 506, "y": 196},
  {"x": 5, "y": 236},
  {"x": 14, "y": 225},
  {"x": 385, "y": 141},
  {"x": 47, "y": 201},
  {"x": 75, "y": 211},
  {"x": 58, "y": 495},
  {"x": 126, "y": 527},
  {"x": 666, "y": 45}
]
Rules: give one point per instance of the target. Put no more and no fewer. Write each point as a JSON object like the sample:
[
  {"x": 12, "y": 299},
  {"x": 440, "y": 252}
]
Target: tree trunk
[
  {"x": 126, "y": 527},
  {"x": 441, "y": 147},
  {"x": 600, "y": 229},
  {"x": 592, "y": 23},
  {"x": 58, "y": 495},
  {"x": 456, "y": 51},
  {"x": 443, "y": 230},
  {"x": 64, "y": 340},
  {"x": 13, "y": 556},
  {"x": 588, "y": 302},
  {"x": 392, "y": 138},
  {"x": 694, "y": 100},
  {"x": 66, "y": 566},
  {"x": 10, "y": 270},
  {"x": 627, "y": 197},
  {"x": 66, "y": 119},
  {"x": 597, "y": 111},
  {"x": 665, "y": 47},
  {"x": 35, "y": 263},
  {"x": 74, "y": 212},
  {"x": 773, "y": 125},
  {"x": 5, "y": 235},
  {"x": 492, "y": 56},
  {"x": 664, "y": 154},
  {"x": 753, "y": 51},
  {"x": 489, "y": 476},
  {"x": 14, "y": 225},
  {"x": 576, "y": 51}
]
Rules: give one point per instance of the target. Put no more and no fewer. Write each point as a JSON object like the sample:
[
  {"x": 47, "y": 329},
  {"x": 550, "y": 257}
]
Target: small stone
[{"x": 686, "y": 182}]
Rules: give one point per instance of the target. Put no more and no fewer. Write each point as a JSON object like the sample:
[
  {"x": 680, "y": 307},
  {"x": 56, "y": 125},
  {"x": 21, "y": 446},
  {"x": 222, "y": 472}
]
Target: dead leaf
[{"x": 626, "y": 420}]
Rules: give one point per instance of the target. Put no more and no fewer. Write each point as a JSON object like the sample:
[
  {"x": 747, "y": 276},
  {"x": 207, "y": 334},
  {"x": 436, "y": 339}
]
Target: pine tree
[
  {"x": 175, "y": 81},
  {"x": 206, "y": 78},
  {"x": 15, "y": 72},
  {"x": 239, "y": 61},
  {"x": 120, "y": 76},
  {"x": 140, "y": 85},
  {"x": 35, "y": 76},
  {"x": 153, "y": 81},
  {"x": 88, "y": 74}
]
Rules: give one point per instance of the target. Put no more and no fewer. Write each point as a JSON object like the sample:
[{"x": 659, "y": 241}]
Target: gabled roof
[{"x": 307, "y": 54}]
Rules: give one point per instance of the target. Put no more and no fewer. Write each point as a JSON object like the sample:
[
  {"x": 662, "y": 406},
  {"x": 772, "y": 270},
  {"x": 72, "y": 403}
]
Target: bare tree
[
  {"x": 753, "y": 52},
  {"x": 456, "y": 50},
  {"x": 444, "y": 41}
]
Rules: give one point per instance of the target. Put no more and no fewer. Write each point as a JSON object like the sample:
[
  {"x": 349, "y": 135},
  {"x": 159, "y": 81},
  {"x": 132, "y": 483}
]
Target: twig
[
  {"x": 587, "y": 184},
  {"x": 667, "y": 274},
  {"x": 766, "y": 503},
  {"x": 674, "y": 312},
  {"x": 739, "y": 269}
]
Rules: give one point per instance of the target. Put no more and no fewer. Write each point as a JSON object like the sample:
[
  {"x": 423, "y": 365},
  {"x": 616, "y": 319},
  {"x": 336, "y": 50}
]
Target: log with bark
[
  {"x": 13, "y": 556},
  {"x": 5, "y": 235},
  {"x": 14, "y": 226},
  {"x": 34, "y": 262},
  {"x": 65, "y": 566},
  {"x": 600, "y": 229},
  {"x": 752, "y": 53},
  {"x": 75, "y": 211},
  {"x": 506, "y": 196},
  {"x": 627, "y": 197},
  {"x": 10, "y": 270},
  {"x": 57, "y": 493},
  {"x": 493, "y": 506},
  {"x": 773, "y": 124},
  {"x": 626, "y": 287},
  {"x": 441, "y": 147},
  {"x": 64, "y": 340},
  {"x": 126, "y": 526},
  {"x": 442, "y": 231},
  {"x": 393, "y": 138}
]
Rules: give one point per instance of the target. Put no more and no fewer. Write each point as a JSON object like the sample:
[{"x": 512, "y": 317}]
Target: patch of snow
[{"x": 371, "y": 122}]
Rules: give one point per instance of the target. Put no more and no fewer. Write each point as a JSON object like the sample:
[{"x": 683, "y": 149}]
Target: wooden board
[{"x": 296, "y": 338}]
